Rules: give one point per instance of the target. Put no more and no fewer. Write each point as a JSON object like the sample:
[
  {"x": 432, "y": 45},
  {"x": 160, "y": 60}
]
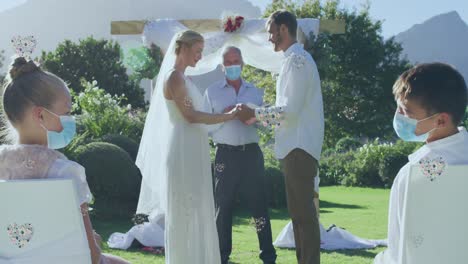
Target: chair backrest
[
  {"x": 435, "y": 215},
  {"x": 41, "y": 222}
]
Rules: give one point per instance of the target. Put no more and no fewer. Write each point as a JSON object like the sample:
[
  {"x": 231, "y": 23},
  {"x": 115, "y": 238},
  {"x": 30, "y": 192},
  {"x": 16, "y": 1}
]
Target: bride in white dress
[{"x": 174, "y": 159}]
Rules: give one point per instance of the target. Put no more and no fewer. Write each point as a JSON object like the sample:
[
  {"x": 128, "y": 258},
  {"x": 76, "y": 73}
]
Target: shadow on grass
[
  {"x": 325, "y": 204},
  {"x": 241, "y": 220},
  {"x": 106, "y": 227},
  {"x": 135, "y": 248},
  {"x": 244, "y": 217},
  {"x": 349, "y": 252},
  {"x": 352, "y": 253}
]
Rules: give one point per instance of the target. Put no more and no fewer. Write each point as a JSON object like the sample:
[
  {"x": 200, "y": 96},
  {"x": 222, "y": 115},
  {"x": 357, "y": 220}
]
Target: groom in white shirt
[{"x": 299, "y": 136}]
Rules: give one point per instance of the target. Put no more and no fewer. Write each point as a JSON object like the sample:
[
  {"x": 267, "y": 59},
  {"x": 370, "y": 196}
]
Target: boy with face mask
[{"x": 431, "y": 102}]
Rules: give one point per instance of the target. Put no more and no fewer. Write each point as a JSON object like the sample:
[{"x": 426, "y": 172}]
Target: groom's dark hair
[{"x": 283, "y": 17}]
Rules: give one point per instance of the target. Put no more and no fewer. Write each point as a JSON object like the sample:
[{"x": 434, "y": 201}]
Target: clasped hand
[{"x": 241, "y": 112}]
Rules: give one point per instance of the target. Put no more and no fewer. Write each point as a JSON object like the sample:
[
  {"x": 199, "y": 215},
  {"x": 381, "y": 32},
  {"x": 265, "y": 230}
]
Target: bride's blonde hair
[{"x": 187, "y": 38}]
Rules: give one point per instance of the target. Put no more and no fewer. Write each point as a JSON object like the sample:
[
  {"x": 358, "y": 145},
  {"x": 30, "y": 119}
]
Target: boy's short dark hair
[
  {"x": 438, "y": 87},
  {"x": 283, "y": 17}
]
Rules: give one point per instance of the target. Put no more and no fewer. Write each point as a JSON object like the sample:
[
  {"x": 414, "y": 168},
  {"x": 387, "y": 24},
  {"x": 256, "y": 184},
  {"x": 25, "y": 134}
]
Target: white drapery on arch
[{"x": 251, "y": 38}]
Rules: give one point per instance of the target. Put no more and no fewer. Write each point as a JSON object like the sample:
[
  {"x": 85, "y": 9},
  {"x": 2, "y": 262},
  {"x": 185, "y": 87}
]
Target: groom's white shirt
[{"x": 298, "y": 91}]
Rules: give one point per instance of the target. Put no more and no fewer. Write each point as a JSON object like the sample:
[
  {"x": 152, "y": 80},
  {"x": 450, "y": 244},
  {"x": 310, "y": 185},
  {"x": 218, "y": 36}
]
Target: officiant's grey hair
[{"x": 228, "y": 49}]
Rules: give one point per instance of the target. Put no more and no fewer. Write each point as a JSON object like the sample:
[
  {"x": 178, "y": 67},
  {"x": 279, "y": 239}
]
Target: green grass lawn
[{"x": 362, "y": 211}]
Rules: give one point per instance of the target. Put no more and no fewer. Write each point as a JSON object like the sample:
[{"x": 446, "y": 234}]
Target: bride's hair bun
[
  {"x": 21, "y": 67},
  {"x": 187, "y": 38}
]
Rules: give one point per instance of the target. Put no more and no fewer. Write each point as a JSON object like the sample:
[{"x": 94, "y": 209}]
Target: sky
[
  {"x": 397, "y": 15},
  {"x": 6, "y": 4}
]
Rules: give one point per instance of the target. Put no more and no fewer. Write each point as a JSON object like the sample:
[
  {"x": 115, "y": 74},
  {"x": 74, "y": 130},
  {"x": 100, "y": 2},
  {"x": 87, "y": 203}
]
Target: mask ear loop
[
  {"x": 432, "y": 130},
  {"x": 428, "y": 117},
  {"x": 42, "y": 125},
  {"x": 47, "y": 131},
  {"x": 51, "y": 112},
  {"x": 42, "y": 120}
]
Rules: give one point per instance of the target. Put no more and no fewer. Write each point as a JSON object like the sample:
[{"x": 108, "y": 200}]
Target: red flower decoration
[{"x": 232, "y": 24}]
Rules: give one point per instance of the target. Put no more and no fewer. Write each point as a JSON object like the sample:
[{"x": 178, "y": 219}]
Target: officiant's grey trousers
[
  {"x": 300, "y": 170},
  {"x": 241, "y": 169}
]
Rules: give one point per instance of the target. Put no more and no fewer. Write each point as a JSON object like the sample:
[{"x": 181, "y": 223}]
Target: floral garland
[{"x": 232, "y": 23}]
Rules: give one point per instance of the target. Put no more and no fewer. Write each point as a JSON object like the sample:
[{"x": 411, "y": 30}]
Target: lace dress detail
[
  {"x": 19, "y": 162},
  {"x": 28, "y": 162}
]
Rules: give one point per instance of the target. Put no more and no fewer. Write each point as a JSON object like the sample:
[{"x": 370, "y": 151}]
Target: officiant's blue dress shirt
[{"x": 221, "y": 95}]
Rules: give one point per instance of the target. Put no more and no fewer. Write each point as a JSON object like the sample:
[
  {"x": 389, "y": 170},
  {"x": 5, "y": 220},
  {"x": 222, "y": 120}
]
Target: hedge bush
[
  {"x": 275, "y": 189},
  {"x": 346, "y": 144},
  {"x": 112, "y": 177},
  {"x": 334, "y": 168},
  {"x": 124, "y": 142},
  {"x": 389, "y": 167},
  {"x": 100, "y": 114},
  {"x": 374, "y": 164}
]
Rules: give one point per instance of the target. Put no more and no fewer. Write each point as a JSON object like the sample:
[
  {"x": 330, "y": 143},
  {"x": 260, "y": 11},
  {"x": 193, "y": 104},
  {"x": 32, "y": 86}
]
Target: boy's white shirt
[{"x": 454, "y": 151}]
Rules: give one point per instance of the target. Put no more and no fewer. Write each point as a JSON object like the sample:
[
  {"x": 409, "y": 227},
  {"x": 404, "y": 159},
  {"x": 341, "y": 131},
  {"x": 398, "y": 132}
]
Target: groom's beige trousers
[{"x": 300, "y": 170}]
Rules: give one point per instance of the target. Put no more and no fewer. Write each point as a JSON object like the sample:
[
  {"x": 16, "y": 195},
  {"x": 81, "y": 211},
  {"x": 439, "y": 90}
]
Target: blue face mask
[
  {"x": 58, "y": 140},
  {"x": 233, "y": 72},
  {"x": 405, "y": 128}
]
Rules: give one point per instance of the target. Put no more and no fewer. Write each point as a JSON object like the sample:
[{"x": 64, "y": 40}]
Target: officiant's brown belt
[{"x": 238, "y": 148}]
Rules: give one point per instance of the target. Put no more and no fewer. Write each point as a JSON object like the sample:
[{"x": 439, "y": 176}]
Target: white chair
[
  {"x": 435, "y": 216},
  {"x": 41, "y": 222}
]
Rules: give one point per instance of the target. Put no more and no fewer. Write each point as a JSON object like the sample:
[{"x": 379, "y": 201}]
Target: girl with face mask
[{"x": 36, "y": 108}]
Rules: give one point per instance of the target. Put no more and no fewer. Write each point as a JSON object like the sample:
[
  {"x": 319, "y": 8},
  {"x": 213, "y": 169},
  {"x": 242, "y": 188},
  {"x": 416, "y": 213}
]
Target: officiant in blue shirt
[{"x": 239, "y": 163}]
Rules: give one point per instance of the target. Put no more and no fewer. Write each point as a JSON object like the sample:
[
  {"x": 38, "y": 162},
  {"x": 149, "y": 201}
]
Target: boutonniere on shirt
[{"x": 298, "y": 60}]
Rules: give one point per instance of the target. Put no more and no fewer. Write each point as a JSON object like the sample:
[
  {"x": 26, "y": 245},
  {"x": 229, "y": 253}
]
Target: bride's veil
[{"x": 154, "y": 146}]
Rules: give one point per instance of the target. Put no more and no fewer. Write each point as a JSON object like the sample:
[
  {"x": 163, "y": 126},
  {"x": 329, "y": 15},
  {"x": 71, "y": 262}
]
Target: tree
[
  {"x": 3, "y": 127},
  {"x": 144, "y": 62},
  {"x": 466, "y": 118},
  {"x": 357, "y": 70},
  {"x": 93, "y": 60},
  {"x": 2, "y": 59}
]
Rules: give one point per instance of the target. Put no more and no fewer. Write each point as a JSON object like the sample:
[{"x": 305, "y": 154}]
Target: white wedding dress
[
  {"x": 191, "y": 235},
  {"x": 176, "y": 190}
]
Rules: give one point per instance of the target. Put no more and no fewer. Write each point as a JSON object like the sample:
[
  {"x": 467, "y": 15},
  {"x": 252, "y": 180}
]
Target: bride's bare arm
[{"x": 176, "y": 90}]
